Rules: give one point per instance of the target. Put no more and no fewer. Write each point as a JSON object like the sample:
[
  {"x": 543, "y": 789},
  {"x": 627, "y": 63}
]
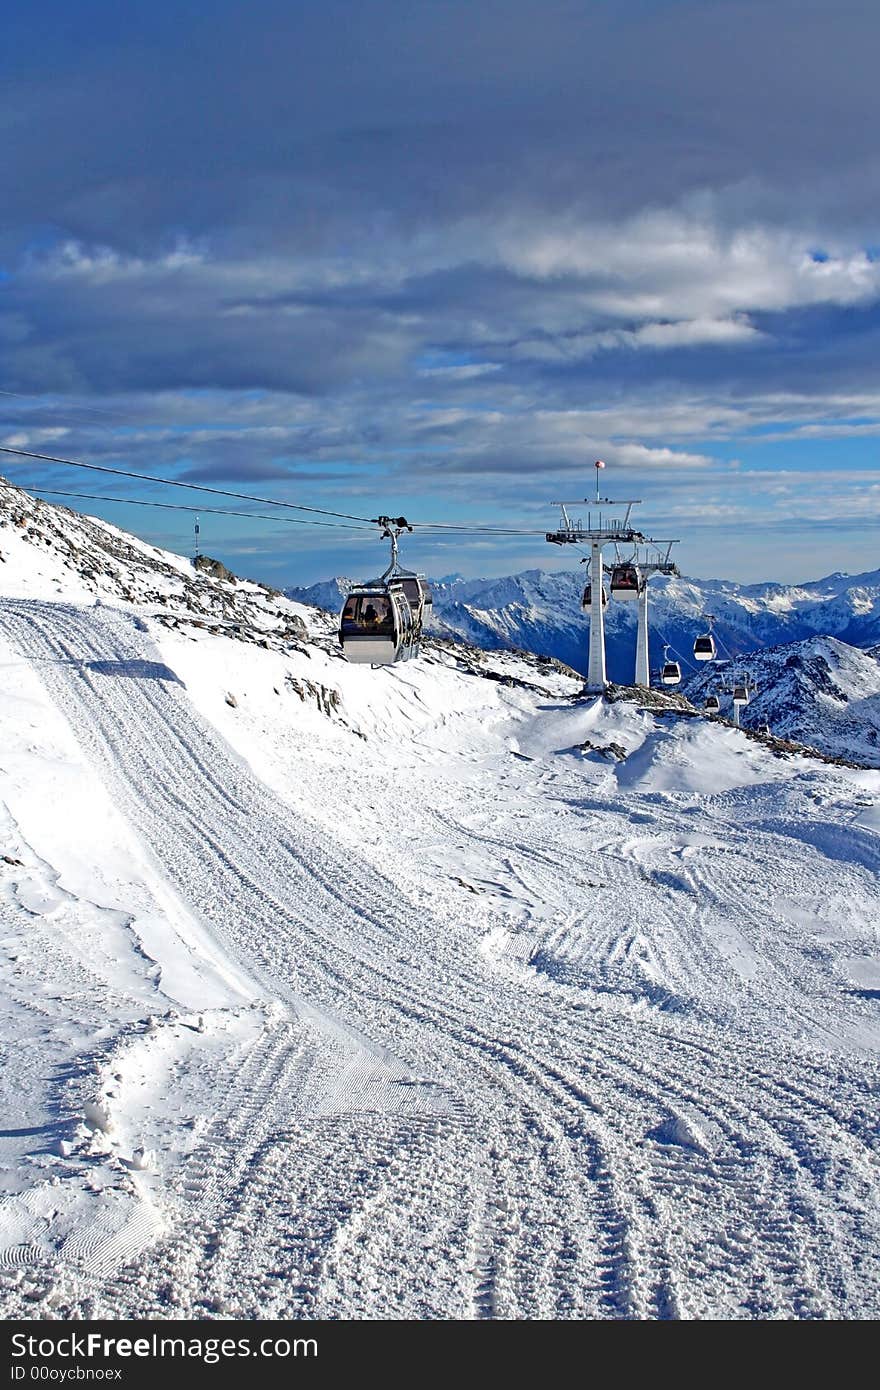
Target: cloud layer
[{"x": 377, "y": 252}]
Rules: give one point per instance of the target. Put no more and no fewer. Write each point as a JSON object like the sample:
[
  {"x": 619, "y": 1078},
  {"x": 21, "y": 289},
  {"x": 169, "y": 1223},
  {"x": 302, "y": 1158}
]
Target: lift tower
[
  {"x": 663, "y": 564},
  {"x": 602, "y": 529}
]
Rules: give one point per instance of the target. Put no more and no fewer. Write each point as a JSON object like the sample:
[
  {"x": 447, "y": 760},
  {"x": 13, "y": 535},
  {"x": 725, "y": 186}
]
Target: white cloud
[
  {"x": 101, "y": 265},
  {"x": 695, "y": 332},
  {"x": 465, "y": 372},
  {"x": 36, "y": 439},
  {"x": 698, "y": 332},
  {"x": 675, "y": 266}
]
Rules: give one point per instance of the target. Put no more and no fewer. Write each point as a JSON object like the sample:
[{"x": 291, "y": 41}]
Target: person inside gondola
[
  {"x": 377, "y": 616},
  {"x": 369, "y": 615}
]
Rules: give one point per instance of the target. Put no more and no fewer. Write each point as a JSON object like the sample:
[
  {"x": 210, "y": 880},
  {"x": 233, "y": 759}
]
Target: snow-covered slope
[
  {"x": 540, "y": 612},
  {"x": 820, "y": 691},
  {"x": 435, "y": 991},
  {"x": 47, "y": 551}
]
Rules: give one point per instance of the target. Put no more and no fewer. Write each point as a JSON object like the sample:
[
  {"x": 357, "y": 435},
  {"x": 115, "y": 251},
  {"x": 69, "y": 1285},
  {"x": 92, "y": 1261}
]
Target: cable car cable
[
  {"x": 252, "y": 497},
  {"x": 662, "y": 637},
  {"x": 175, "y": 482},
  {"x": 183, "y": 507}
]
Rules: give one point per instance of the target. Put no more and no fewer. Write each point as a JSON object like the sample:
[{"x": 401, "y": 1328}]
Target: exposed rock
[
  {"x": 215, "y": 568},
  {"x": 649, "y": 699},
  {"x": 614, "y": 752},
  {"x": 325, "y": 697}
]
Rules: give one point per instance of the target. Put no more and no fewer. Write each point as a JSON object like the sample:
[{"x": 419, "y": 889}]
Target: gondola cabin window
[{"x": 367, "y": 613}]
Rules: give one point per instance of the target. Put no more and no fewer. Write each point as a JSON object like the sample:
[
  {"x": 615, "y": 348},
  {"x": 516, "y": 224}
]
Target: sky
[{"x": 434, "y": 259}]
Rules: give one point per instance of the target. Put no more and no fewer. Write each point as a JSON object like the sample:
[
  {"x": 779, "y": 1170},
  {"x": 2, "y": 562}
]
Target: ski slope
[{"x": 424, "y": 1010}]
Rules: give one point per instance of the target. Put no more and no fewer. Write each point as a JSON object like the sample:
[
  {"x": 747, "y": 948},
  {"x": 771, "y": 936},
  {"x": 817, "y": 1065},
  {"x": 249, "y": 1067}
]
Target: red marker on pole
[{"x": 599, "y": 464}]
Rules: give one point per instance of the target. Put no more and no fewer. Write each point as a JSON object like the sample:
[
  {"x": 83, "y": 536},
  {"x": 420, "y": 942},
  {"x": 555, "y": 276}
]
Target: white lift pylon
[
  {"x": 662, "y": 565},
  {"x": 601, "y": 529},
  {"x": 604, "y": 528}
]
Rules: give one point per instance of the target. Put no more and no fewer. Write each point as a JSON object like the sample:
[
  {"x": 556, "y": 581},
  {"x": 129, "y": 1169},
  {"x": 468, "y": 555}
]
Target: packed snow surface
[{"x": 436, "y": 991}]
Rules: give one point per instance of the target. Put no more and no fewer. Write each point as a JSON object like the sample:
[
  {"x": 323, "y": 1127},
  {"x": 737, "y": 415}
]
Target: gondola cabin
[
  {"x": 713, "y": 704},
  {"x": 670, "y": 673},
  {"x": 740, "y": 693},
  {"x": 626, "y": 583},
  {"x": 381, "y": 621},
  {"x": 587, "y": 600},
  {"x": 704, "y": 647},
  {"x": 377, "y": 625},
  {"x": 419, "y": 597}
]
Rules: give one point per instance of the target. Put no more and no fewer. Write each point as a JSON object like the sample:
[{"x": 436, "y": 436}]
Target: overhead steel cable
[
  {"x": 474, "y": 530},
  {"x": 183, "y": 507},
  {"x": 249, "y": 496},
  {"x": 176, "y": 482},
  {"x": 679, "y": 654},
  {"x": 461, "y": 528}
]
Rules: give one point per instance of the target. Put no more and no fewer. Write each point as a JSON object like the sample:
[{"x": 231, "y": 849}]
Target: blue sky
[{"x": 434, "y": 259}]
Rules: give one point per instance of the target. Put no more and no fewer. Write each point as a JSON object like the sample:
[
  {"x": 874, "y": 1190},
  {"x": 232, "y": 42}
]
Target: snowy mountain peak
[
  {"x": 819, "y": 691},
  {"x": 540, "y": 611}
]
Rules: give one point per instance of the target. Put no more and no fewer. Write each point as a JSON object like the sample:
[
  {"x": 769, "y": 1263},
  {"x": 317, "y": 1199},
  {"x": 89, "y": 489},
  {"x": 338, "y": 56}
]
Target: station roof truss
[{"x": 598, "y": 528}]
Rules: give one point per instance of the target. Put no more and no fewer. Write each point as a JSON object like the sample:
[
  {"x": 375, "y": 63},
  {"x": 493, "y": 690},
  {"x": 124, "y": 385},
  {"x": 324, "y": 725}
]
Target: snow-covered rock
[{"x": 819, "y": 691}]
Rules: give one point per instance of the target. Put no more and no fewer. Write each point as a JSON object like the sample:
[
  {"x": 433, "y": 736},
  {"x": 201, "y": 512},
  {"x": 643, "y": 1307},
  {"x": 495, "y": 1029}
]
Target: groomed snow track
[{"x": 417, "y": 1133}]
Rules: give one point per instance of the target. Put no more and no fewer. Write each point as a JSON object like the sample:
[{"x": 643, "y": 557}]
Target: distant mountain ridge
[
  {"x": 539, "y": 611},
  {"x": 819, "y": 688},
  {"x": 818, "y": 691}
]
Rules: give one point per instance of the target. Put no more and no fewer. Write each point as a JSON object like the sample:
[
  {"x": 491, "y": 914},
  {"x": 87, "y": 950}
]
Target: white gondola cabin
[
  {"x": 376, "y": 626},
  {"x": 670, "y": 671},
  {"x": 740, "y": 693},
  {"x": 713, "y": 704},
  {"x": 382, "y": 621},
  {"x": 704, "y": 643},
  {"x": 587, "y": 599},
  {"x": 626, "y": 583}
]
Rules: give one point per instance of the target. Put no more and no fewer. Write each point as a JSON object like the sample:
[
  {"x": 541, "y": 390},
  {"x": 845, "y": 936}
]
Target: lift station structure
[
  {"x": 604, "y": 528},
  {"x": 601, "y": 529}
]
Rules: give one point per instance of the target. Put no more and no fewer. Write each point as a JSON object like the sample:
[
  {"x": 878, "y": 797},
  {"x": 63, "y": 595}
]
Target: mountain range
[
  {"x": 539, "y": 611},
  {"x": 810, "y": 649},
  {"x": 819, "y": 691}
]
